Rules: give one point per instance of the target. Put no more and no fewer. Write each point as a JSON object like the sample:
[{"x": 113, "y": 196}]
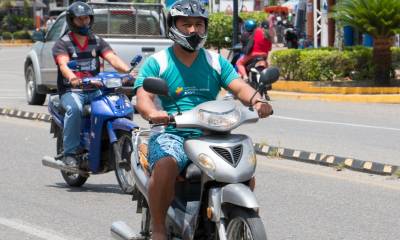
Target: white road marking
[
  {"x": 12, "y": 90},
  {"x": 31, "y": 229},
  {"x": 336, "y": 123},
  {"x": 12, "y": 97}
]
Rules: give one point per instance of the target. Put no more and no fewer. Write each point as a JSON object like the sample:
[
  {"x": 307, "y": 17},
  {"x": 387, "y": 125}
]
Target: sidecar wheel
[
  {"x": 245, "y": 224},
  {"x": 73, "y": 180},
  {"x": 122, "y": 151}
]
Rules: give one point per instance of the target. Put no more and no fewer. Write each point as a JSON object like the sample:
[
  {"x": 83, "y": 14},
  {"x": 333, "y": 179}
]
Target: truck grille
[{"x": 230, "y": 154}]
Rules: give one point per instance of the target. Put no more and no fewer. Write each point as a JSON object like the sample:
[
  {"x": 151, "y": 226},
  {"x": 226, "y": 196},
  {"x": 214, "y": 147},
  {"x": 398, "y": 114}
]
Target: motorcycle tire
[
  {"x": 121, "y": 156},
  {"x": 72, "y": 179},
  {"x": 244, "y": 223}
]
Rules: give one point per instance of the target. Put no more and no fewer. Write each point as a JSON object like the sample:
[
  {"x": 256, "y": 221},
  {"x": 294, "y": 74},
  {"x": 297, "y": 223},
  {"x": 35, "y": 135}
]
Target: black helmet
[
  {"x": 187, "y": 8},
  {"x": 78, "y": 9}
]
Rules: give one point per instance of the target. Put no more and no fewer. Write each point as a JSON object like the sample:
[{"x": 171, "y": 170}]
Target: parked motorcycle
[
  {"x": 106, "y": 132},
  {"x": 291, "y": 38},
  {"x": 213, "y": 199}
]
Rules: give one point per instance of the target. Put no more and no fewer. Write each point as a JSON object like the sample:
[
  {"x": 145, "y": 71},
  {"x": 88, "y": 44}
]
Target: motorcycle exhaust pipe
[
  {"x": 121, "y": 231},
  {"x": 51, "y": 162}
]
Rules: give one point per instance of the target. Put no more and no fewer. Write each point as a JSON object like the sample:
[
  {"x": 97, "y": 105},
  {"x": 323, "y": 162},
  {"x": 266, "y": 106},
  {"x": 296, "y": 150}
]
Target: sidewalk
[
  {"x": 15, "y": 43},
  {"x": 311, "y": 91}
]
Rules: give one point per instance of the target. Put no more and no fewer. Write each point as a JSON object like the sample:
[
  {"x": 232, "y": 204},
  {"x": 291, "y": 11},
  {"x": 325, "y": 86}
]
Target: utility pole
[
  {"x": 235, "y": 38},
  {"x": 34, "y": 14}
]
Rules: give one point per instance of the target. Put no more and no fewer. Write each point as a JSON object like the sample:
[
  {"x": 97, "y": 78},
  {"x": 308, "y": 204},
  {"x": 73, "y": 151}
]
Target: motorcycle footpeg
[
  {"x": 59, "y": 156},
  {"x": 121, "y": 231}
]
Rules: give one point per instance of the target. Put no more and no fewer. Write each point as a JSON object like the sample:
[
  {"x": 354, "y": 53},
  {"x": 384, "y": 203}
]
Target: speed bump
[{"x": 327, "y": 159}]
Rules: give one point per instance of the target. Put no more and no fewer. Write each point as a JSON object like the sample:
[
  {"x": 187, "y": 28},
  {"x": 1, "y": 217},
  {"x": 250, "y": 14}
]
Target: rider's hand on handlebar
[
  {"x": 75, "y": 82},
  {"x": 157, "y": 117},
  {"x": 263, "y": 108},
  {"x": 97, "y": 84}
]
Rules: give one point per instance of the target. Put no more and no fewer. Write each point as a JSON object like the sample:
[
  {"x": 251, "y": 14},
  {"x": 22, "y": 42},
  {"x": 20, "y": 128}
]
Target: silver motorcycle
[{"x": 213, "y": 199}]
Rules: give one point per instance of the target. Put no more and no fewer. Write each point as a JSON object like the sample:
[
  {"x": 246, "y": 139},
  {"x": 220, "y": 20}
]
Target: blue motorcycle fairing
[
  {"x": 120, "y": 104},
  {"x": 119, "y": 124},
  {"x": 103, "y": 110}
]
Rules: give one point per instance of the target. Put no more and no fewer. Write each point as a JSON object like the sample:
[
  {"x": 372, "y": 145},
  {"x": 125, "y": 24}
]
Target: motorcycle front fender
[
  {"x": 119, "y": 124},
  {"x": 240, "y": 195}
]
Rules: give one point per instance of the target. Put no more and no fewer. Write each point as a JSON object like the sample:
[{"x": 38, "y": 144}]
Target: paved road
[
  {"x": 369, "y": 132},
  {"x": 298, "y": 201}
]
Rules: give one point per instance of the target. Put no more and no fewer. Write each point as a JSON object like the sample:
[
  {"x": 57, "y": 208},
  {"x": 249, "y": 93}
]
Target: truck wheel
[
  {"x": 73, "y": 180},
  {"x": 32, "y": 95}
]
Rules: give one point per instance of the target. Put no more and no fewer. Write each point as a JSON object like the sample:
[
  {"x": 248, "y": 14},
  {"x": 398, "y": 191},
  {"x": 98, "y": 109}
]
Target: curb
[
  {"x": 44, "y": 117},
  {"x": 327, "y": 160},
  {"x": 262, "y": 149},
  {"x": 313, "y": 87},
  {"x": 357, "y": 98}
]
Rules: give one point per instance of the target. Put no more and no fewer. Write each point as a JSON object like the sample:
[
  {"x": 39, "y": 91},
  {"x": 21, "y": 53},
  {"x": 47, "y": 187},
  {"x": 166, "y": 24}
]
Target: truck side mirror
[{"x": 38, "y": 36}]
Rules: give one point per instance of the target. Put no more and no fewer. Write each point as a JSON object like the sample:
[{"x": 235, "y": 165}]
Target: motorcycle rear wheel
[
  {"x": 245, "y": 224},
  {"x": 72, "y": 179},
  {"x": 122, "y": 151}
]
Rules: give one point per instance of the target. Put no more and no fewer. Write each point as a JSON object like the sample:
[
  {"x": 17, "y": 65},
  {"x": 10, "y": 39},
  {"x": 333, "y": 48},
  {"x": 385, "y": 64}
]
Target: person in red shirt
[{"x": 261, "y": 45}]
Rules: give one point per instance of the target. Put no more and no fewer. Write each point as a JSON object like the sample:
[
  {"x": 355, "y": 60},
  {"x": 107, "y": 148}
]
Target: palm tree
[{"x": 381, "y": 20}]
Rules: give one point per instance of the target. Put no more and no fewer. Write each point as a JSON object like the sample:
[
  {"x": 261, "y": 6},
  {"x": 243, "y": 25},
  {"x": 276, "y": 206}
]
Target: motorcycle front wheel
[
  {"x": 122, "y": 151},
  {"x": 244, "y": 224},
  {"x": 72, "y": 179}
]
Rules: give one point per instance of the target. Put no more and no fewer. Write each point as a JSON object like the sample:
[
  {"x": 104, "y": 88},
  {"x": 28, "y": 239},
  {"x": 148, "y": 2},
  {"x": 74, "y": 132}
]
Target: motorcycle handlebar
[{"x": 171, "y": 122}]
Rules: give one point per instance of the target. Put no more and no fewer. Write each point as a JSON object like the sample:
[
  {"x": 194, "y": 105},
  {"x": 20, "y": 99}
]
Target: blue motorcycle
[{"x": 106, "y": 131}]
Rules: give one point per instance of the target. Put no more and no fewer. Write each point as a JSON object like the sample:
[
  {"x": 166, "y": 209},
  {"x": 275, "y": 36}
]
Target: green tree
[{"x": 381, "y": 20}]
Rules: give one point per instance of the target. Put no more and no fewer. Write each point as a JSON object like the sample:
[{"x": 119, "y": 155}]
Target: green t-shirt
[{"x": 188, "y": 86}]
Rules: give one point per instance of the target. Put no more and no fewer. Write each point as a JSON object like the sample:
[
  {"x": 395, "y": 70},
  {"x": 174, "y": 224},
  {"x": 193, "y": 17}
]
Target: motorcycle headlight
[
  {"x": 113, "y": 82},
  {"x": 222, "y": 121}
]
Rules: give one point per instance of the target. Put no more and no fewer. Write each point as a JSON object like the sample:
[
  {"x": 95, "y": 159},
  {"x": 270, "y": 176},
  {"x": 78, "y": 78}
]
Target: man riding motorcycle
[
  {"x": 80, "y": 44},
  {"x": 258, "y": 48},
  {"x": 194, "y": 75}
]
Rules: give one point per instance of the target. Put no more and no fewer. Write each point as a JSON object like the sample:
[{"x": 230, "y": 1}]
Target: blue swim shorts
[{"x": 163, "y": 145}]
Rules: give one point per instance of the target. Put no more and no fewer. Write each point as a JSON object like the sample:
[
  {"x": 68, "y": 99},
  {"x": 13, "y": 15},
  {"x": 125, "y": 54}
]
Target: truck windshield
[{"x": 127, "y": 21}]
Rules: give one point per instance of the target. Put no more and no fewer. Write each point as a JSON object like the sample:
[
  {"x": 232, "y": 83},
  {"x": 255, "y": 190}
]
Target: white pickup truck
[{"x": 129, "y": 28}]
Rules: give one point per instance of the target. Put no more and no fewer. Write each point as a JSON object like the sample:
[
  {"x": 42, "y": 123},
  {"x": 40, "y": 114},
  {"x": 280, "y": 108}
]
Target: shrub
[
  {"x": 7, "y": 35},
  {"x": 363, "y": 68},
  {"x": 219, "y": 27},
  {"x": 324, "y": 65},
  {"x": 396, "y": 57},
  {"x": 288, "y": 62},
  {"x": 22, "y": 35}
]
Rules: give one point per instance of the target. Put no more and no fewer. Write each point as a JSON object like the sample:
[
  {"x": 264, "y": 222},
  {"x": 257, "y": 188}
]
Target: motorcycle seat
[
  {"x": 191, "y": 173},
  {"x": 55, "y": 101}
]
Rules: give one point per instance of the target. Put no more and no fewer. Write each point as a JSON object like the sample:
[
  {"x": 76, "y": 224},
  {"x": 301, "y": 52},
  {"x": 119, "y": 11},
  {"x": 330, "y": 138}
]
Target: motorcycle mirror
[
  {"x": 269, "y": 76},
  {"x": 156, "y": 86},
  {"x": 136, "y": 60}
]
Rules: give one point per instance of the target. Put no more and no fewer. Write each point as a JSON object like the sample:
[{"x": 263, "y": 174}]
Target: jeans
[{"x": 73, "y": 103}]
